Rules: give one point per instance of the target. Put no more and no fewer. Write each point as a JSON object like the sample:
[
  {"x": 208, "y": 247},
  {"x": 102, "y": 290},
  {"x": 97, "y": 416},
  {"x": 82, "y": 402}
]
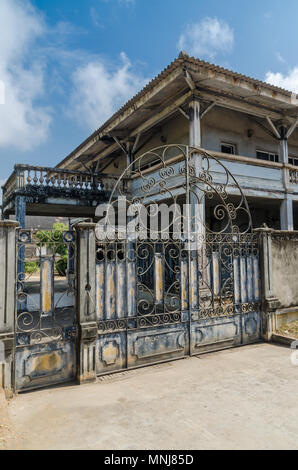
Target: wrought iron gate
[
  {"x": 184, "y": 285},
  {"x": 45, "y": 323},
  {"x": 161, "y": 296}
]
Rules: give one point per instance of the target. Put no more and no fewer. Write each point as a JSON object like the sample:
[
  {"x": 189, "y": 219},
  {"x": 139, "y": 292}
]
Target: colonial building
[
  {"x": 84, "y": 306},
  {"x": 249, "y": 125}
]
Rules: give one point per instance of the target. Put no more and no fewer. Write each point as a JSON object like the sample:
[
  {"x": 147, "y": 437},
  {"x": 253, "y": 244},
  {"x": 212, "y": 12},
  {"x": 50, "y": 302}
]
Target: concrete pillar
[
  {"x": 7, "y": 302},
  {"x": 197, "y": 209},
  {"x": 286, "y": 214},
  {"x": 86, "y": 287},
  {"x": 269, "y": 302},
  {"x": 194, "y": 123},
  {"x": 286, "y": 207},
  {"x": 20, "y": 211},
  {"x": 197, "y": 196}
]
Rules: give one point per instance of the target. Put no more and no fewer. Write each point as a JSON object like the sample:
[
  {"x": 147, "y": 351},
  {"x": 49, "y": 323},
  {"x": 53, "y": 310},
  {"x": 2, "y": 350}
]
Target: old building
[
  {"x": 248, "y": 124},
  {"x": 224, "y": 146}
]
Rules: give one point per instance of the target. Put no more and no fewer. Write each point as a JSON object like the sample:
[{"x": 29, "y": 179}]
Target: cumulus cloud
[
  {"x": 99, "y": 89},
  {"x": 289, "y": 81},
  {"x": 24, "y": 124},
  {"x": 207, "y": 38}
]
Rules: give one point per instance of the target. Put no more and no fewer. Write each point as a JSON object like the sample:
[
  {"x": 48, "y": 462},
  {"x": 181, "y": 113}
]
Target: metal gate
[
  {"x": 45, "y": 323},
  {"x": 174, "y": 272},
  {"x": 186, "y": 287}
]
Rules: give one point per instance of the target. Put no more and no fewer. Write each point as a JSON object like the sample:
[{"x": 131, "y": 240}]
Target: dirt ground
[
  {"x": 290, "y": 330},
  {"x": 244, "y": 398},
  {"x": 8, "y": 436}
]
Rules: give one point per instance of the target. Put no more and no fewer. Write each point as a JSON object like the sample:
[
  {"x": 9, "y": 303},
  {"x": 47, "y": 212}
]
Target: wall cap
[
  {"x": 9, "y": 223},
  {"x": 84, "y": 225}
]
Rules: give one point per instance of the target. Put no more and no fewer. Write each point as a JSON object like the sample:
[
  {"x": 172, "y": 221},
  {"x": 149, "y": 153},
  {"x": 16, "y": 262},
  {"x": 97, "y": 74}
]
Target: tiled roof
[{"x": 183, "y": 60}]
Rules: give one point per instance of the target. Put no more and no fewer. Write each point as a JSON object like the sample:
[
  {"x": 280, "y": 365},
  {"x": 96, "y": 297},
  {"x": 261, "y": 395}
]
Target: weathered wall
[
  {"x": 219, "y": 125},
  {"x": 285, "y": 268},
  {"x": 224, "y": 125}
]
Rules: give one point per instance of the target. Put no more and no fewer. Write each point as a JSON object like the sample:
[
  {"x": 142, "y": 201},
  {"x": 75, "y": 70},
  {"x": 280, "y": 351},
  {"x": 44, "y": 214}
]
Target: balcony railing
[
  {"x": 25, "y": 176},
  {"x": 293, "y": 176}
]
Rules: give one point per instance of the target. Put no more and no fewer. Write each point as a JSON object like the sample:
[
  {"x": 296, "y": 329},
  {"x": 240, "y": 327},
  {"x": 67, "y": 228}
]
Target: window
[
  {"x": 293, "y": 161},
  {"x": 228, "y": 148},
  {"x": 270, "y": 157}
]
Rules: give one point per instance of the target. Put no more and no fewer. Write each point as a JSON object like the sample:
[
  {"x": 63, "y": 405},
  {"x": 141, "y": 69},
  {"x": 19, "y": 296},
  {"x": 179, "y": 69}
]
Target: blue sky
[{"x": 65, "y": 66}]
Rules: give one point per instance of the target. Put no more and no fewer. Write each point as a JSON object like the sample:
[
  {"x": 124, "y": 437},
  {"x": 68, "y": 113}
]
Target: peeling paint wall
[{"x": 285, "y": 269}]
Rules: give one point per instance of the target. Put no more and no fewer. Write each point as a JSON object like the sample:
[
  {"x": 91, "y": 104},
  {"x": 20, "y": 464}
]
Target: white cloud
[
  {"x": 95, "y": 17},
  {"x": 207, "y": 38},
  {"x": 127, "y": 3},
  {"x": 23, "y": 123},
  {"x": 280, "y": 58},
  {"x": 289, "y": 81},
  {"x": 99, "y": 90}
]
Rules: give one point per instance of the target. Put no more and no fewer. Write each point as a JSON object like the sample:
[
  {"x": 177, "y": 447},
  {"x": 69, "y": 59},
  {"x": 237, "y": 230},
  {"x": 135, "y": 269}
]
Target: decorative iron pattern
[
  {"x": 45, "y": 288},
  {"x": 202, "y": 272},
  {"x": 131, "y": 277}
]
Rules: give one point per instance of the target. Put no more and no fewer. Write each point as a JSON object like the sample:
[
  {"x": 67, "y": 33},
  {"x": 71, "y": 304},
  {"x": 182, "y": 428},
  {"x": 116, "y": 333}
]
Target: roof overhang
[{"x": 172, "y": 88}]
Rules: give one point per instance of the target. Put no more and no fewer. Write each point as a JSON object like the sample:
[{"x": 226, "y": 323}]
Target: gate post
[
  {"x": 86, "y": 271},
  {"x": 7, "y": 303},
  {"x": 270, "y": 303}
]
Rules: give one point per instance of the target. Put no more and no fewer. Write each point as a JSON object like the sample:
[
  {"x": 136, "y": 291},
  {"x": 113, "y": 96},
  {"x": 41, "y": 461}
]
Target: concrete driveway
[{"x": 245, "y": 398}]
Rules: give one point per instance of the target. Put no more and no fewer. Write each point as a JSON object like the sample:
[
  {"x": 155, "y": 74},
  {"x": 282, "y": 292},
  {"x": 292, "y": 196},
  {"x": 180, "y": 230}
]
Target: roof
[{"x": 182, "y": 62}]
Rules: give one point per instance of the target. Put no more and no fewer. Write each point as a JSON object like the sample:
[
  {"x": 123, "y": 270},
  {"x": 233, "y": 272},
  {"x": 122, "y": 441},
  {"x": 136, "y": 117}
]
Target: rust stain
[
  {"x": 48, "y": 362},
  {"x": 158, "y": 279},
  {"x": 110, "y": 353},
  {"x": 183, "y": 285},
  {"x": 100, "y": 290},
  {"x": 46, "y": 287}
]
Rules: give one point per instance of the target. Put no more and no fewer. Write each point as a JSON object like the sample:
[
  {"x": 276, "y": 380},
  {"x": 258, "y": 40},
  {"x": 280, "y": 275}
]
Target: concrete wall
[{"x": 285, "y": 268}]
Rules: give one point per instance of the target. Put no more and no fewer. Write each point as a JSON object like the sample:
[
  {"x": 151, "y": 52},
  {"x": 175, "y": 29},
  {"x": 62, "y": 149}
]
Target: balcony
[
  {"x": 70, "y": 193},
  {"x": 52, "y": 191}
]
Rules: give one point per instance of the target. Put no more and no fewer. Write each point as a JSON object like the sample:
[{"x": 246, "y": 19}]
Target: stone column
[
  {"x": 197, "y": 197},
  {"x": 286, "y": 208},
  {"x": 269, "y": 302},
  {"x": 86, "y": 301},
  {"x": 7, "y": 303},
  {"x": 197, "y": 210}
]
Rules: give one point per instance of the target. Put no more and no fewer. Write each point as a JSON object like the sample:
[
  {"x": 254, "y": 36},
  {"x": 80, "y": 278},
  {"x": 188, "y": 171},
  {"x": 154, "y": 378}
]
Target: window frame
[
  {"x": 269, "y": 153},
  {"x": 228, "y": 144}
]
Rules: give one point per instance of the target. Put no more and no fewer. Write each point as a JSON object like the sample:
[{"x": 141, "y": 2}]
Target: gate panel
[
  {"x": 45, "y": 324},
  {"x": 187, "y": 287}
]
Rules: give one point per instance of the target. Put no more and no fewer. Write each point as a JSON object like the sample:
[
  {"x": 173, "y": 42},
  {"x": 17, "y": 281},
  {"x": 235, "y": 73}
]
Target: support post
[
  {"x": 197, "y": 195},
  {"x": 20, "y": 210},
  {"x": 7, "y": 303},
  {"x": 270, "y": 303},
  {"x": 86, "y": 269},
  {"x": 286, "y": 208}
]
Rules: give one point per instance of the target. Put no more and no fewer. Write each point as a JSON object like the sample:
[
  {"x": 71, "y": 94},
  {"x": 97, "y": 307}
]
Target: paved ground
[{"x": 242, "y": 398}]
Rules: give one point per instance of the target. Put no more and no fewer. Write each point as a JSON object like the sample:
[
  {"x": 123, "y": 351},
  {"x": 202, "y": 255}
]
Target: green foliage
[
  {"x": 31, "y": 267},
  {"x": 61, "y": 265},
  {"x": 53, "y": 241}
]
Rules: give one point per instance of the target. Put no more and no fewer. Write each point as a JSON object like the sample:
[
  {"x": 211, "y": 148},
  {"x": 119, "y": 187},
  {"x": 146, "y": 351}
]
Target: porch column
[
  {"x": 194, "y": 123},
  {"x": 7, "y": 302},
  {"x": 197, "y": 198},
  {"x": 286, "y": 208},
  {"x": 197, "y": 209},
  {"x": 20, "y": 211},
  {"x": 86, "y": 304}
]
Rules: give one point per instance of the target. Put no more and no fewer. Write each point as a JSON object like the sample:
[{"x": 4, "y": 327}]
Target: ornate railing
[
  {"x": 25, "y": 176},
  {"x": 293, "y": 176}
]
